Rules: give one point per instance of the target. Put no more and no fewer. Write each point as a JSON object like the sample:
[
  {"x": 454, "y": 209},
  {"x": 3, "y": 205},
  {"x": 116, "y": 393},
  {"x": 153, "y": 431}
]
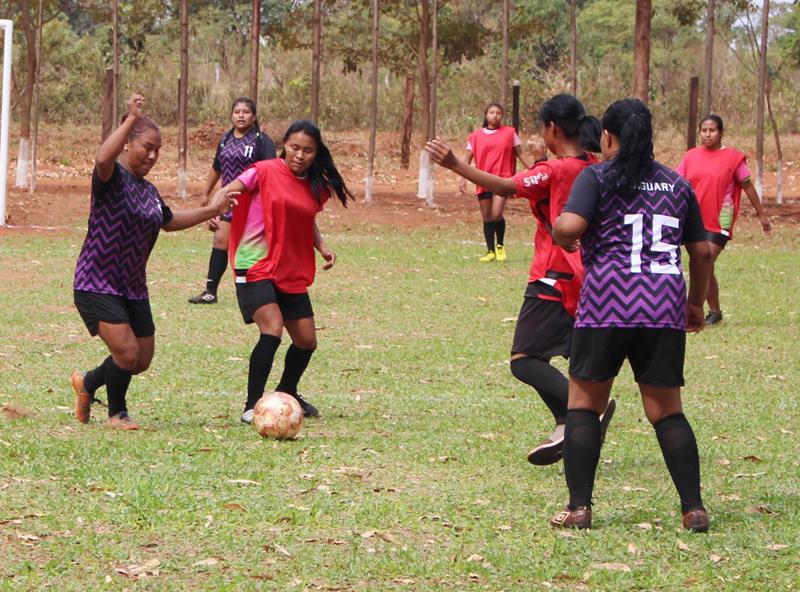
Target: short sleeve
[
  {"x": 249, "y": 178},
  {"x": 166, "y": 213},
  {"x": 742, "y": 173},
  {"x": 693, "y": 229},
  {"x": 517, "y": 141},
  {"x": 101, "y": 189},
  {"x": 217, "y": 165},
  {"x": 585, "y": 195},
  {"x": 265, "y": 148},
  {"x": 534, "y": 183},
  {"x": 681, "y": 168}
]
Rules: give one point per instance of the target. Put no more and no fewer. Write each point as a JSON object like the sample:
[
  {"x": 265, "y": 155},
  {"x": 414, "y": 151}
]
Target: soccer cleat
[
  {"x": 247, "y": 416},
  {"x": 122, "y": 421},
  {"x": 83, "y": 400},
  {"x": 605, "y": 419},
  {"x": 205, "y": 297},
  {"x": 713, "y": 317},
  {"x": 308, "y": 409},
  {"x": 549, "y": 451},
  {"x": 500, "y": 253},
  {"x": 696, "y": 520},
  {"x": 488, "y": 257},
  {"x": 580, "y": 518}
]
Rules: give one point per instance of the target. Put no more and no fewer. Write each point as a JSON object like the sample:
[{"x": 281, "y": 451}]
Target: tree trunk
[
  {"x": 315, "y": 61},
  {"x": 774, "y": 124},
  {"x": 37, "y": 81},
  {"x": 408, "y": 121},
  {"x": 107, "y": 108},
  {"x": 183, "y": 96},
  {"x": 373, "y": 115},
  {"x": 115, "y": 62},
  {"x": 23, "y": 155},
  {"x": 762, "y": 91},
  {"x": 708, "y": 66},
  {"x": 573, "y": 45},
  {"x": 422, "y": 62},
  {"x": 255, "y": 37},
  {"x": 641, "y": 50},
  {"x": 504, "y": 66}
]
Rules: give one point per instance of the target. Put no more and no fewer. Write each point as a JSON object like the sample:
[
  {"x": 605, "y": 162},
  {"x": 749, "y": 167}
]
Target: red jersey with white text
[
  {"x": 494, "y": 152},
  {"x": 546, "y": 186},
  {"x": 272, "y": 231}
]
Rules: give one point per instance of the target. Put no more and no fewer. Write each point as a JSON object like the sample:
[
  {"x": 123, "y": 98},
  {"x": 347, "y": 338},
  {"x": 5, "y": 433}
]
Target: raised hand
[
  {"x": 441, "y": 153},
  {"x": 135, "y": 105}
]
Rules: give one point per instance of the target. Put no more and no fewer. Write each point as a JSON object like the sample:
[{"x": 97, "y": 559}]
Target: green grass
[{"x": 415, "y": 478}]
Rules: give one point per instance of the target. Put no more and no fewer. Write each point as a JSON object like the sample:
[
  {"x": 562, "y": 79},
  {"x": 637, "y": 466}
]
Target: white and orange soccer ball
[{"x": 278, "y": 415}]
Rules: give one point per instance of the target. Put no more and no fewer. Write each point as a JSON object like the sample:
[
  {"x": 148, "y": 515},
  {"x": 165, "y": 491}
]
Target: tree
[
  {"x": 573, "y": 45},
  {"x": 23, "y": 155},
  {"x": 641, "y": 50},
  {"x": 373, "y": 110},
  {"x": 708, "y": 67},
  {"x": 183, "y": 99},
  {"x": 760, "y": 99},
  {"x": 255, "y": 42},
  {"x": 316, "y": 58}
]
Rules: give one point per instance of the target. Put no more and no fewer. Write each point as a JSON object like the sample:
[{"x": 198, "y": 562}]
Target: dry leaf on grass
[
  {"x": 759, "y": 474},
  {"x": 752, "y": 458},
  {"x": 243, "y": 482},
  {"x": 207, "y": 562},
  {"x": 713, "y": 558},
  {"x": 777, "y": 547},
  {"x": 475, "y": 557},
  {"x": 134, "y": 571},
  {"x": 681, "y": 545},
  {"x": 12, "y": 411},
  {"x": 612, "y": 566},
  {"x": 632, "y": 549},
  {"x": 758, "y": 510},
  {"x": 645, "y": 526},
  {"x": 237, "y": 507},
  {"x": 28, "y": 537},
  {"x": 406, "y": 581},
  {"x": 275, "y": 547}
]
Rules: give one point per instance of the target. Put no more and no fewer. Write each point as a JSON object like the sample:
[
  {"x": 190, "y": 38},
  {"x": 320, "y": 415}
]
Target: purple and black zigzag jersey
[
  {"x": 631, "y": 248},
  {"x": 125, "y": 218},
  {"x": 236, "y": 154}
]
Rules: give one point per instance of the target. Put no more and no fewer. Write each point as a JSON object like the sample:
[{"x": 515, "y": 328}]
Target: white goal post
[{"x": 5, "y": 114}]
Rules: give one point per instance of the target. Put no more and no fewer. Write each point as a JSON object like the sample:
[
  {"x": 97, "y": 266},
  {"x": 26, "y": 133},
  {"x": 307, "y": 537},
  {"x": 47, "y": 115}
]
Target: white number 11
[{"x": 658, "y": 246}]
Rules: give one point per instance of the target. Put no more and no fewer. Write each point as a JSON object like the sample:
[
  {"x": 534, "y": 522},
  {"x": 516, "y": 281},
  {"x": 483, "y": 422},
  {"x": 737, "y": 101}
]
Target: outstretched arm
[
  {"x": 521, "y": 156},
  {"x": 222, "y": 202},
  {"x": 107, "y": 154},
  {"x": 443, "y": 155}
]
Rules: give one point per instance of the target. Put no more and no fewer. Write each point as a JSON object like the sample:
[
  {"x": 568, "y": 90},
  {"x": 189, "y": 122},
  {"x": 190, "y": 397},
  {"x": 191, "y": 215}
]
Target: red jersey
[
  {"x": 711, "y": 173},
  {"x": 288, "y": 211},
  {"x": 547, "y": 186},
  {"x": 494, "y": 151}
]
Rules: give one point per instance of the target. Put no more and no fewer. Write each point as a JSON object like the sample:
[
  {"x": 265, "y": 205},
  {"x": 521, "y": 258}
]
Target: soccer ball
[{"x": 278, "y": 415}]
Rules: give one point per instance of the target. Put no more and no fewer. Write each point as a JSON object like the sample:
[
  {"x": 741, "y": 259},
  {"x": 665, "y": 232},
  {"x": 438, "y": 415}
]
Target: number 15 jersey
[{"x": 631, "y": 248}]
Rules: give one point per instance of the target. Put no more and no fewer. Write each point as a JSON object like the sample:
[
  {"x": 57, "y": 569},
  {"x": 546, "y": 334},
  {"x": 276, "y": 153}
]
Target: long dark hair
[
  {"x": 716, "y": 119},
  {"x": 142, "y": 123},
  {"x": 568, "y": 113},
  {"x": 485, "y": 111},
  {"x": 251, "y": 104},
  {"x": 631, "y": 122},
  {"x": 322, "y": 172}
]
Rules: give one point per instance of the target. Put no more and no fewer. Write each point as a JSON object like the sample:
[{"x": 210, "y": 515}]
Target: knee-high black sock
[
  {"x": 217, "y": 264},
  {"x": 500, "y": 231},
  {"x": 546, "y": 379},
  {"x": 581, "y": 455},
  {"x": 117, "y": 382},
  {"x": 260, "y": 365},
  {"x": 295, "y": 364},
  {"x": 488, "y": 234},
  {"x": 96, "y": 378},
  {"x": 679, "y": 447}
]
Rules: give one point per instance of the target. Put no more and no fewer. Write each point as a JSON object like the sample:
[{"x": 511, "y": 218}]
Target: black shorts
[
  {"x": 655, "y": 355},
  {"x": 485, "y": 195},
  {"x": 544, "y": 327},
  {"x": 226, "y": 217},
  {"x": 718, "y": 238},
  {"x": 117, "y": 310},
  {"x": 254, "y": 295}
]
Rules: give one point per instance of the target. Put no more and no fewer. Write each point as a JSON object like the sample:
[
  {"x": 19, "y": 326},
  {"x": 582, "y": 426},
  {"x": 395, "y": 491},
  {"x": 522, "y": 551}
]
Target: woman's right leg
[
  {"x": 119, "y": 367},
  {"x": 269, "y": 320}
]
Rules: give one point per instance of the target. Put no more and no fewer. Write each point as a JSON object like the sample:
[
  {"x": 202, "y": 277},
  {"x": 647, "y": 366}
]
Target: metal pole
[
  {"x": 691, "y": 130},
  {"x": 515, "y": 109},
  {"x": 8, "y": 27}
]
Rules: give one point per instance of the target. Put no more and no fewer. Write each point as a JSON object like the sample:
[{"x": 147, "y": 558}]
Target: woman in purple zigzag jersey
[
  {"x": 631, "y": 215},
  {"x": 240, "y": 146},
  {"x": 110, "y": 285}
]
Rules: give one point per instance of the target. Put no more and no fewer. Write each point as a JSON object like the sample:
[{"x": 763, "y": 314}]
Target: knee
[
  {"x": 220, "y": 241},
  {"x": 142, "y": 364},
  {"x": 128, "y": 358},
  {"x": 306, "y": 342}
]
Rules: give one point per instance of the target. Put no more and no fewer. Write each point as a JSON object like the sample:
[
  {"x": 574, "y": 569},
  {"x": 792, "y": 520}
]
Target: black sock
[
  {"x": 295, "y": 364},
  {"x": 217, "y": 264},
  {"x": 581, "y": 455},
  {"x": 500, "y": 231},
  {"x": 96, "y": 378},
  {"x": 547, "y": 380},
  {"x": 488, "y": 234},
  {"x": 679, "y": 447},
  {"x": 117, "y": 381},
  {"x": 260, "y": 365}
]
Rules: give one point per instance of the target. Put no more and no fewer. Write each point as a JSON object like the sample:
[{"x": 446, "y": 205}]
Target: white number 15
[{"x": 658, "y": 246}]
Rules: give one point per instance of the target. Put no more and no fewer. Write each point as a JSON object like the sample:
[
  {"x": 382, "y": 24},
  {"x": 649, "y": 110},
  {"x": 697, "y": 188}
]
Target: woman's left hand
[
  {"x": 224, "y": 201},
  {"x": 765, "y": 224},
  {"x": 329, "y": 256}
]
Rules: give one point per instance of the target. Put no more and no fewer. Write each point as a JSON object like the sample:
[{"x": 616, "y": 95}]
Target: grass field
[{"x": 415, "y": 478}]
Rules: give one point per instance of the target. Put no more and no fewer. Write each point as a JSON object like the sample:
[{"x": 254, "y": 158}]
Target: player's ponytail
[
  {"x": 568, "y": 114},
  {"x": 631, "y": 122},
  {"x": 322, "y": 172}
]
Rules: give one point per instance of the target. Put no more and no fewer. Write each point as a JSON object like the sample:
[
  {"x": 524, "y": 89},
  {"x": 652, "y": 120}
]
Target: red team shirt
[
  {"x": 546, "y": 186},
  {"x": 712, "y": 174},
  {"x": 494, "y": 151},
  {"x": 289, "y": 209}
]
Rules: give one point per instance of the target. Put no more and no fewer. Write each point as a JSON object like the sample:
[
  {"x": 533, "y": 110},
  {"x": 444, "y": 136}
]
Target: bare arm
[
  {"x": 568, "y": 230},
  {"x": 752, "y": 195},
  {"x": 211, "y": 181},
  {"x": 223, "y": 201},
  {"x": 462, "y": 182},
  {"x": 319, "y": 244},
  {"x": 107, "y": 154},
  {"x": 443, "y": 155},
  {"x": 521, "y": 156},
  {"x": 700, "y": 265}
]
